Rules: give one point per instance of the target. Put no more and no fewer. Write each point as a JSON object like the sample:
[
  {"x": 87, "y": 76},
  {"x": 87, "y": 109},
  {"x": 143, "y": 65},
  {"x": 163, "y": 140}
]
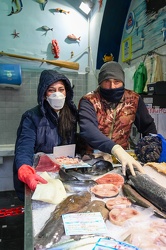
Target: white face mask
[{"x": 56, "y": 100}]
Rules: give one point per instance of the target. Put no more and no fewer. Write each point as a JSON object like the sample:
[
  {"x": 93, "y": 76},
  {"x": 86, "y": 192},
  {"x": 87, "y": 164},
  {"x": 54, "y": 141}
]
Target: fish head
[
  {"x": 75, "y": 186},
  {"x": 129, "y": 177},
  {"x": 129, "y": 174},
  {"x": 64, "y": 176},
  {"x": 100, "y": 167}
]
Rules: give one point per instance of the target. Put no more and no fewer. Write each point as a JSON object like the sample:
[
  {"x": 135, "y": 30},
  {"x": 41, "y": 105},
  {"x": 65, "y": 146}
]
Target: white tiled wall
[
  {"x": 6, "y": 174},
  {"x": 13, "y": 103}
]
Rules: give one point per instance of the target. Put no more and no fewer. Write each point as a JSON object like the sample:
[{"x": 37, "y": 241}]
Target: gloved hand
[
  {"x": 28, "y": 175},
  {"x": 126, "y": 160}
]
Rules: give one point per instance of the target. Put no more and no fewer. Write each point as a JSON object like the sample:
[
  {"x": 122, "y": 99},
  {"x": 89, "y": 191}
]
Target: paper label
[{"x": 84, "y": 223}]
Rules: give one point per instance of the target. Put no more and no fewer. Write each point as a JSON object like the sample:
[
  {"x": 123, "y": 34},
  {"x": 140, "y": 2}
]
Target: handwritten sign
[{"x": 84, "y": 223}]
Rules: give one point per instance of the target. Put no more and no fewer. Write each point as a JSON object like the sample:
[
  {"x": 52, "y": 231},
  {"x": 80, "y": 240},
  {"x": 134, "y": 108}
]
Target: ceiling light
[{"x": 86, "y": 6}]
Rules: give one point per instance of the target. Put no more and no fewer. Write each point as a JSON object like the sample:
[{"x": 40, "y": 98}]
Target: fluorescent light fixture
[{"x": 85, "y": 8}]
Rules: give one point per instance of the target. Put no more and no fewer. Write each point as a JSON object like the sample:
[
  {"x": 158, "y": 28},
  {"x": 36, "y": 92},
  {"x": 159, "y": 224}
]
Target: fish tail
[
  {"x": 12, "y": 11},
  {"x": 79, "y": 38},
  {"x": 43, "y": 6}
]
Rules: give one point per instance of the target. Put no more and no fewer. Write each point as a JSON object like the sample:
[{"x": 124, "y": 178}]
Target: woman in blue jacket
[{"x": 51, "y": 123}]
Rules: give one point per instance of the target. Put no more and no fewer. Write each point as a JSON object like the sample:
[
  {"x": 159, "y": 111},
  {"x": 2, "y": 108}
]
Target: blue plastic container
[{"x": 10, "y": 75}]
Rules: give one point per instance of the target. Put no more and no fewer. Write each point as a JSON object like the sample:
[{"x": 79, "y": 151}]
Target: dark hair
[{"x": 67, "y": 124}]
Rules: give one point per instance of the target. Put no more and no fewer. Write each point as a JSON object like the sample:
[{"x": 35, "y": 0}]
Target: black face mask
[{"x": 112, "y": 95}]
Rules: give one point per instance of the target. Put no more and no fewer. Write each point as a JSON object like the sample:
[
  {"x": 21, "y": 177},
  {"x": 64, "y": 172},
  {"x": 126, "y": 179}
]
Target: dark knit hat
[{"x": 111, "y": 70}]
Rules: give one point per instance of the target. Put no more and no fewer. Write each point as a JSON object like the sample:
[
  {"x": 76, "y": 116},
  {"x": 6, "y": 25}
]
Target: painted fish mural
[
  {"x": 55, "y": 48},
  {"x": 46, "y": 28},
  {"x": 18, "y": 6},
  {"x": 73, "y": 37},
  {"x": 43, "y": 3},
  {"x": 62, "y": 11}
]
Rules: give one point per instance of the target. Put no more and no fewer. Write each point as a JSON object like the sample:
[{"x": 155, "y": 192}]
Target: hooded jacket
[{"x": 38, "y": 129}]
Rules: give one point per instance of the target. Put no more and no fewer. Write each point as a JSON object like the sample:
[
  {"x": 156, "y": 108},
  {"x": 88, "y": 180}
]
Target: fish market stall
[
  {"x": 28, "y": 221},
  {"x": 121, "y": 221}
]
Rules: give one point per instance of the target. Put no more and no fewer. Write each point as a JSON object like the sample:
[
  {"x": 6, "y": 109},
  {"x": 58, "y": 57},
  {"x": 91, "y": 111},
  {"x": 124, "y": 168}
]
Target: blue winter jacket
[{"x": 38, "y": 129}]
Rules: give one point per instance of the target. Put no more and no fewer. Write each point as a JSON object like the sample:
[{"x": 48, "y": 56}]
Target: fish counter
[{"x": 96, "y": 210}]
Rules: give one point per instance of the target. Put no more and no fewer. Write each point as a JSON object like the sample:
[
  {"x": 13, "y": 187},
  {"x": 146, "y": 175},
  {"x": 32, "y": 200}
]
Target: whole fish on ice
[
  {"x": 96, "y": 206},
  {"x": 149, "y": 189},
  {"x": 54, "y": 228},
  {"x": 76, "y": 186},
  {"x": 99, "y": 167},
  {"x": 85, "y": 242},
  {"x": 70, "y": 174},
  {"x": 75, "y": 182},
  {"x": 137, "y": 199}
]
